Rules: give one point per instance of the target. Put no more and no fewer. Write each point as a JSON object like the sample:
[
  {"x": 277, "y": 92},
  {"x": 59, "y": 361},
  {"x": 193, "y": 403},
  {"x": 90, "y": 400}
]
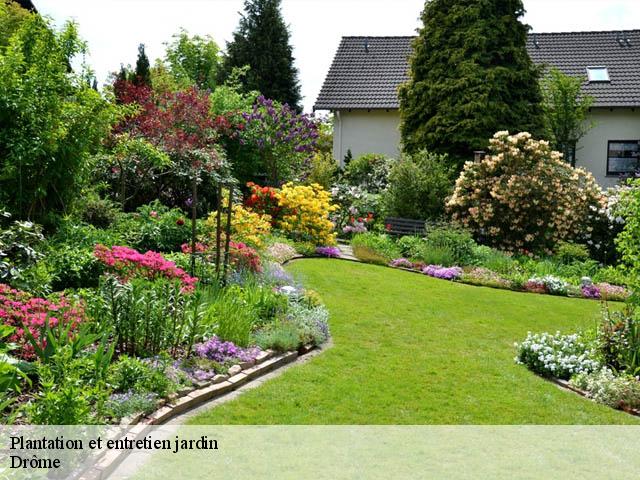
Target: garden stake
[
  {"x": 228, "y": 238},
  {"x": 194, "y": 206},
  {"x": 218, "y": 229}
]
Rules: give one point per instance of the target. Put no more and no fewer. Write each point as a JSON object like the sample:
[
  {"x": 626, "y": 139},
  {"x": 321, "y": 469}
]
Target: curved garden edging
[{"x": 139, "y": 426}]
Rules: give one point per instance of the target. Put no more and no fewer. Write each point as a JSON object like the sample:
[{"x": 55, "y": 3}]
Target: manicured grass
[{"x": 409, "y": 349}]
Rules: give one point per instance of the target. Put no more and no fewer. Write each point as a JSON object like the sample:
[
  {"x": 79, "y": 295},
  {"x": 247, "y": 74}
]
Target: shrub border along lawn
[{"x": 138, "y": 427}]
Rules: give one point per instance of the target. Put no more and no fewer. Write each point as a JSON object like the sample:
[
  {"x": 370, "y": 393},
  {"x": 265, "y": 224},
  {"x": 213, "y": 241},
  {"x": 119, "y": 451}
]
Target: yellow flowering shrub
[
  {"x": 523, "y": 197},
  {"x": 247, "y": 226},
  {"x": 306, "y": 210}
]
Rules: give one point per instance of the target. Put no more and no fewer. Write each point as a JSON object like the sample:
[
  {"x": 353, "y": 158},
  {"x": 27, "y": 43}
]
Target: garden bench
[{"x": 404, "y": 226}]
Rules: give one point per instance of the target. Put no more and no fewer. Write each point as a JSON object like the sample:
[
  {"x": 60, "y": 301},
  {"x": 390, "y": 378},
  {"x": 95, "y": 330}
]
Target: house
[
  {"x": 28, "y": 4},
  {"x": 361, "y": 89}
]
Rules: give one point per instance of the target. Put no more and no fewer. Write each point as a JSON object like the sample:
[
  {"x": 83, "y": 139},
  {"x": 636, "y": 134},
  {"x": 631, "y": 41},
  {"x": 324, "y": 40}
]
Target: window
[
  {"x": 623, "y": 156},
  {"x": 598, "y": 74}
]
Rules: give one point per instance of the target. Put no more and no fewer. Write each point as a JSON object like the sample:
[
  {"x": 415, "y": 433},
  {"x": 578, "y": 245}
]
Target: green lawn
[{"x": 409, "y": 349}]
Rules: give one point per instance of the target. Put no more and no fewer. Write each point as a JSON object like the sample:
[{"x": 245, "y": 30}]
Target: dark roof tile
[{"x": 367, "y": 71}]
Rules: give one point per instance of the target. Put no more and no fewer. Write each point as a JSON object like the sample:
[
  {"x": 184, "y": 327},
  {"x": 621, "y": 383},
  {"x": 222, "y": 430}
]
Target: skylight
[{"x": 598, "y": 74}]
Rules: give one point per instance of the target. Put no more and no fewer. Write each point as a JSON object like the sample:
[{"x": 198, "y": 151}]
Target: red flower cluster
[
  {"x": 264, "y": 200},
  {"x": 20, "y": 310},
  {"x": 200, "y": 248},
  {"x": 128, "y": 263},
  {"x": 243, "y": 257}
]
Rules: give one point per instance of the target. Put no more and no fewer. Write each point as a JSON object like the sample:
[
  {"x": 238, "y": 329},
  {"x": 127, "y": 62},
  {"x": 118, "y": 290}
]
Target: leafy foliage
[
  {"x": 471, "y": 76},
  {"x": 193, "y": 60},
  {"x": 418, "y": 186},
  {"x": 565, "y": 112},
  {"x": 19, "y": 242},
  {"x": 51, "y": 120},
  {"x": 627, "y": 240}
]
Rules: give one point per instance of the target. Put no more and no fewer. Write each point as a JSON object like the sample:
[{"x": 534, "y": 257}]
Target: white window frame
[{"x": 591, "y": 79}]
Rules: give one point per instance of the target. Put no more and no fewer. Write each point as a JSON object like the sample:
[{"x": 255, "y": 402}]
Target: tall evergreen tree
[
  {"x": 142, "y": 74},
  {"x": 262, "y": 42},
  {"x": 470, "y": 76}
]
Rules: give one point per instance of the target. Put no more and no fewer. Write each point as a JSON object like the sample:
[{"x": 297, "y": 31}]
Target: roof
[
  {"x": 368, "y": 78},
  {"x": 366, "y": 73},
  {"x": 573, "y": 52},
  {"x": 28, "y": 4}
]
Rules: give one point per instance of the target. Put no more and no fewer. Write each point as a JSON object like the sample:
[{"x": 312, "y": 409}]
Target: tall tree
[
  {"x": 142, "y": 74},
  {"x": 565, "y": 112},
  {"x": 262, "y": 42},
  {"x": 193, "y": 60},
  {"x": 470, "y": 76}
]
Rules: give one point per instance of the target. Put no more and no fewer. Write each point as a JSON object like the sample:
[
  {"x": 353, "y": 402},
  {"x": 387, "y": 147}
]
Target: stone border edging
[
  {"x": 139, "y": 426},
  {"x": 565, "y": 385}
]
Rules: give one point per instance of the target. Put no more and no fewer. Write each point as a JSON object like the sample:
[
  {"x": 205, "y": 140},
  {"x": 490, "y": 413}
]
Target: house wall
[
  {"x": 362, "y": 131},
  {"x": 377, "y": 131},
  {"x": 616, "y": 124}
]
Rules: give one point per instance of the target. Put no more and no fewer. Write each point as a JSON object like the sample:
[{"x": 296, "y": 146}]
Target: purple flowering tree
[{"x": 285, "y": 139}]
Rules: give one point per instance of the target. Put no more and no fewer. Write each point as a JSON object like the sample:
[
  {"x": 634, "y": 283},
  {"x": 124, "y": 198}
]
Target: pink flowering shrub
[
  {"x": 243, "y": 257},
  {"x": 613, "y": 292},
  {"x": 523, "y": 197},
  {"x": 19, "y": 309},
  {"x": 127, "y": 263}
]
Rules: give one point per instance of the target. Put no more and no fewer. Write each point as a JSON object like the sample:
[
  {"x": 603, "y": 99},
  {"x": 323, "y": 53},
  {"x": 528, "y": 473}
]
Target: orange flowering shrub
[{"x": 523, "y": 197}]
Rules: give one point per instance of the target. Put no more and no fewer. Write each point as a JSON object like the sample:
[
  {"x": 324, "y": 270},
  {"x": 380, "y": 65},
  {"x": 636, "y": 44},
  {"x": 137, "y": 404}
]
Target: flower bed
[
  {"x": 602, "y": 367},
  {"x": 480, "y": 276}
]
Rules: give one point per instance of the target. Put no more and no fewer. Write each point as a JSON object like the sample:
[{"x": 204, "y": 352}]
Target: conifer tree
[
  {"x": 261, "y": 41},
  {"x": 142, "y": 74},
  {"x": 470, "y": 76}
]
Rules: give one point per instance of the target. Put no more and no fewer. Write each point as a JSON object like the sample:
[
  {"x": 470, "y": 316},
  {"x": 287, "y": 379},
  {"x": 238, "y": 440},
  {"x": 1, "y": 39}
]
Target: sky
[{"x": 114, "y": 28}]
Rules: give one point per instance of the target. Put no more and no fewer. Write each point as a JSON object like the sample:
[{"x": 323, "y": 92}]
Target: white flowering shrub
[
  {"x": 555, "y": 285},
  {"x": 558, "y": 355},
  {"x": 604, "y": 386},
  {"x": 523, "y": 197},
  {"x": 604, "y": 223}
]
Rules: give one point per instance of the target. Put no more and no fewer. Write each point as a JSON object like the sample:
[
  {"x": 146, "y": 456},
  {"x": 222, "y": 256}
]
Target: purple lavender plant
[
  {"x": 444, "y": 273},
  {"x": 401, "y": 263},
  {"x": 331, "y": 252},
  {"x": 222, "y": 352},
  {"x": 590, "y": 291}
]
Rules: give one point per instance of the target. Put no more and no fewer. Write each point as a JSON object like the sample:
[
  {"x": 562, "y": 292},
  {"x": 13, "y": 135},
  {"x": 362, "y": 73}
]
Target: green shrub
[
  {"x": 69, "y": 392},
  {"x": 612, "y": 275},
  {"x": 155, "y": 227},
  {"x": 436, "y": 255},
  {"x": 281, "y": 336},
  {"x": 96, "y": 211},
  {"x": 459, "y": 243},
  {"x": 230, "y": 317},
  {"x": 73, "y": 267},
  {"x": 307, "y": 249},
  {"x": 381, "y": 245},
  {"x": 323, "y": 170},
  {"x": 20, "y": 244},
  {"x": 493, "y": 259},
  {"x": 418, "y": 186},
  {"x": 410, "y": 245},
  {"x": 627, "y": 241},
  {"x": 568, "y": 253},
  {"x": 131, "y": 374}
]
